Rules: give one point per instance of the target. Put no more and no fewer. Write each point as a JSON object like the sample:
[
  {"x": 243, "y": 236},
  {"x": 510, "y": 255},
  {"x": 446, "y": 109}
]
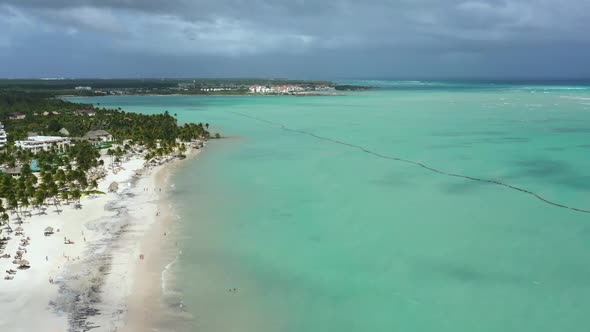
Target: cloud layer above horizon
[{"x": 297, "y": 38}]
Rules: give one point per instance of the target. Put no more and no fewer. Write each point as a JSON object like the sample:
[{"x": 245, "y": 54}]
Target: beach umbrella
[
  {"x": 19, "y": 229},
  {"x": 23, "y": 262},
  {"x": 49, "y": 230}
]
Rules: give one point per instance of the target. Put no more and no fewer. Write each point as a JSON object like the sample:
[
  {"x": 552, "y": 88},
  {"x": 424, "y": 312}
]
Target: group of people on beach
[
  {"x": 19, "y": 260},
  {"x": 25, "y": 241},
  {"x": 148, "y": 189}
]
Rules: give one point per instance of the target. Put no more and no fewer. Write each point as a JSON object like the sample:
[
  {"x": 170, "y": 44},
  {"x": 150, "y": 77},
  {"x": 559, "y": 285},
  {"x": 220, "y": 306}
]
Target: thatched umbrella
[
  {"x": 48, "y": 231},
  {"x": 113, "y": 187},
  {"x": 19, "y": 229},
  {"x": 23, "y": 263}
]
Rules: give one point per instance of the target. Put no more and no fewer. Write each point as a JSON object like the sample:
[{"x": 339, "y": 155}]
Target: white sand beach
[{"x": 86, "y": 284}]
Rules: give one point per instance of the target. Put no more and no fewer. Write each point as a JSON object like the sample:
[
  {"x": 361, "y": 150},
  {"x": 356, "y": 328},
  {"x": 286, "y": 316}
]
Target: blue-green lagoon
[{"x": 314, "y": 235}]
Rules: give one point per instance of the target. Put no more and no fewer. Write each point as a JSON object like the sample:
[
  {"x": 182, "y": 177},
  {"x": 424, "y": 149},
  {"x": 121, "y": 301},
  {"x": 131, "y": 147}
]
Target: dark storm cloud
[{"x": 410, "y": 34}]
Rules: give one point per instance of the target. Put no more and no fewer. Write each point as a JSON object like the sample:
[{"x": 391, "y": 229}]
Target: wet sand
[{"x": 87, "y": 285}]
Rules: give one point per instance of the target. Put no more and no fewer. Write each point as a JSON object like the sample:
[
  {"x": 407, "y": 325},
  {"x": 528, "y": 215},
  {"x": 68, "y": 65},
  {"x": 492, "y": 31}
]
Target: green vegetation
[
  {"x": 62, "y": 178},
  {"x": 69, "y": 84},
  {"x": 47, "y": 115},
  {"x": 101, "y": 87},
  {"x": 66, "y": 173},
  {"x": 351, "y": 88}
]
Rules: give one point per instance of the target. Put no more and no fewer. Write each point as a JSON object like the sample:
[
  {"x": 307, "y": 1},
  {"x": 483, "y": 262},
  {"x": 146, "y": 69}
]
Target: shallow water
[{"x": 317, "y": 236}]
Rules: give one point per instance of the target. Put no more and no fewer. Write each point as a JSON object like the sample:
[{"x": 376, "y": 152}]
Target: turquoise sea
[{"x": 319, "y": 236}]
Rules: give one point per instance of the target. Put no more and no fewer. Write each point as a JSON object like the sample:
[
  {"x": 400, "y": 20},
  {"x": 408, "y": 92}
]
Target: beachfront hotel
[
  {"x": 38, "y": 143},
  {"x": 275, "y": 89},
  {"x": 2, "y": 136}
]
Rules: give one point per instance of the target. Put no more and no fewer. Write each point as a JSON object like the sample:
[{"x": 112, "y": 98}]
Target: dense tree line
[
  {"x": 68, "y": 85},
  {"x": 62, "y": 114},
  {"x": 64, "y": 173},
  {"x": 62, "y": 177}
]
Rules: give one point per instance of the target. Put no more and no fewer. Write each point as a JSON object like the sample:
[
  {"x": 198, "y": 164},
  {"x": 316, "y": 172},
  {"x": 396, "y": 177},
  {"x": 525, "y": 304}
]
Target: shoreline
[
  {"x": 146, "y": 305},
  {"x": 210, "y": 95},
  {"x": 90, "y": 283}
]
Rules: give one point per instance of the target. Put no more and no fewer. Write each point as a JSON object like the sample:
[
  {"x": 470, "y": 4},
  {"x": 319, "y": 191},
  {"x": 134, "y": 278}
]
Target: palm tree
[
  {"x": 39, "y": 197},
  {"x": 65, "y": 196},
  {"x": 4, "y": 218},
  {"x": 24, "y": 202},
  {"x": 182, "y": 148},
  {"x": 53, "y": 192},
  {"x": 76, "y": 195},
  {"x": 13, "y": 204},
  {"x": 111, "y": 153}
]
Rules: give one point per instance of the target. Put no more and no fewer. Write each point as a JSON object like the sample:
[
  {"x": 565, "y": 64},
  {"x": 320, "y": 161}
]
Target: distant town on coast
[{"x": 119, "y": 87}]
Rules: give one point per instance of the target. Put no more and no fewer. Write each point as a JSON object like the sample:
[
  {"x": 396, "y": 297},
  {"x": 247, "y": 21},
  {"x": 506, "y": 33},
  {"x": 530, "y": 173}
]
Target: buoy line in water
[{"x": 415, "y": 163}]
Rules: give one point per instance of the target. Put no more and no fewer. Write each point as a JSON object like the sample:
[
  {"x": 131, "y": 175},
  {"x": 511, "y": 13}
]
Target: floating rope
[{"x": 415, "y": 163}]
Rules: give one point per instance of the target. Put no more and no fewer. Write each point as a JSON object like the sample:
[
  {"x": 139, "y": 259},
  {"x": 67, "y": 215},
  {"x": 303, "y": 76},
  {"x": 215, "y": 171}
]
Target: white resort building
[
  {"x": 275, "y": 89},
  {"x": 37, "y": 143},
  {"x": 2, "y": 136}
]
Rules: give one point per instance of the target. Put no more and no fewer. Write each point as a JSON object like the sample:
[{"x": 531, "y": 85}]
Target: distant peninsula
[
  {"x": 190, "y": 87},
  {"x": 346, "y": 87}
]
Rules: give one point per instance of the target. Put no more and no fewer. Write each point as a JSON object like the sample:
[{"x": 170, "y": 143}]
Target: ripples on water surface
[{"x": 316, "y": 236}]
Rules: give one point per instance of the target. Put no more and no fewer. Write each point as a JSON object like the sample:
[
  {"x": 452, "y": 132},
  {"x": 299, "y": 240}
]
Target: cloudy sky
[{"x": 295, "y": 38}]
